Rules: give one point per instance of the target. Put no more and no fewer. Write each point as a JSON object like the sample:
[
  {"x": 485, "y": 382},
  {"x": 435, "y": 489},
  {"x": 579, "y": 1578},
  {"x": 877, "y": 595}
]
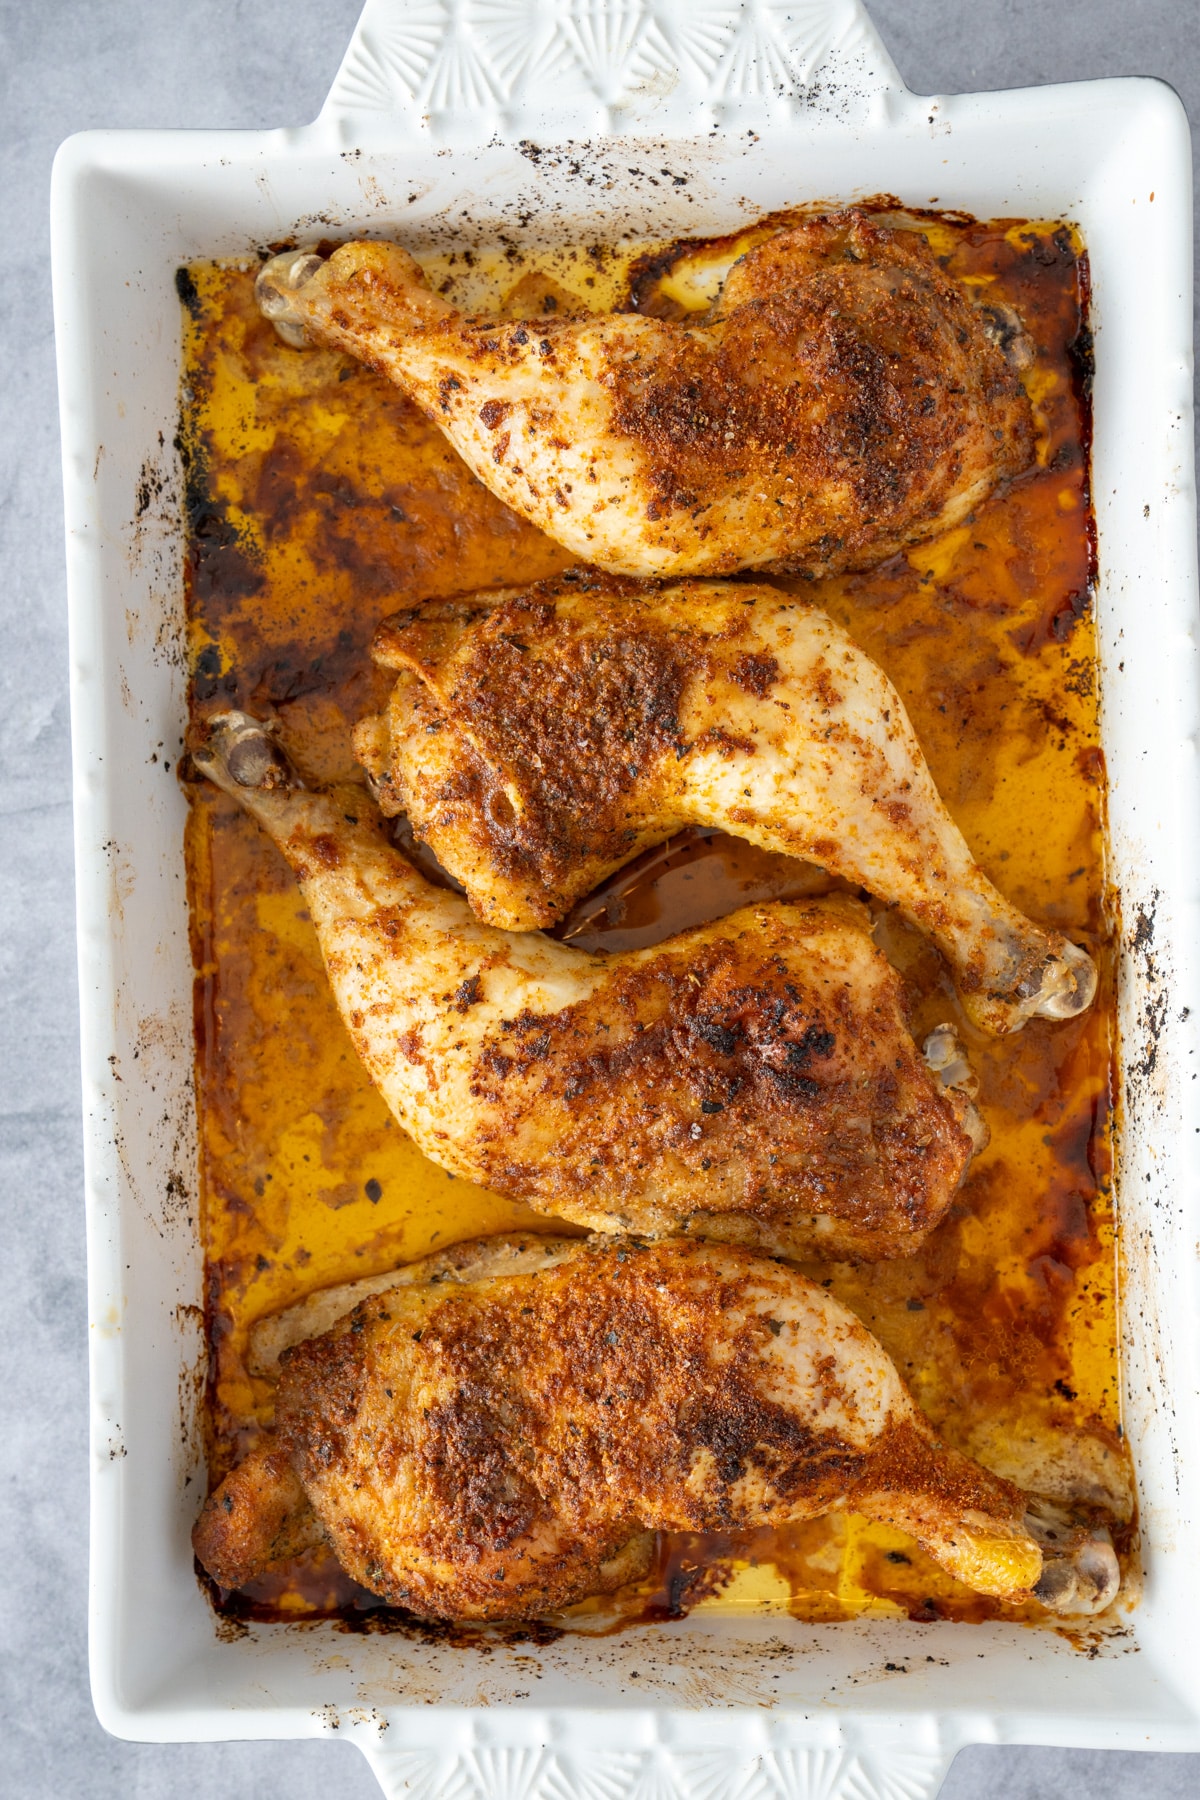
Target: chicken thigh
[
  {"x": 494, "y": 1435},
  {"x": 841, "y": 399},
  {"x": 751, "y": 1080},
  {"x": 537, "y": 739}
]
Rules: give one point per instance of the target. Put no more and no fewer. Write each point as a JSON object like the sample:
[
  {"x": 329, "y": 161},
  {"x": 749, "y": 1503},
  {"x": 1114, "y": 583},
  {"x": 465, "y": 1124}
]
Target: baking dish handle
[
  {"x": 870, "y": 1764},
  {"x": 469, "y": 70}
]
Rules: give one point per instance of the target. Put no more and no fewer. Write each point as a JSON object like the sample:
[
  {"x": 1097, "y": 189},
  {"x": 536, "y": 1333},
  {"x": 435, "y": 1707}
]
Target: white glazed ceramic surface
[{"x": 455, "y": 119}]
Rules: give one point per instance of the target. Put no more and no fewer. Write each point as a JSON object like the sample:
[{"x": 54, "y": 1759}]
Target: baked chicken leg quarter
[
  {"x": 750, "y": 1080},
  {"x": 841, "y": 398},
  {"x": 494, "y": 1438},
  {"x": 538, "y": 739}
]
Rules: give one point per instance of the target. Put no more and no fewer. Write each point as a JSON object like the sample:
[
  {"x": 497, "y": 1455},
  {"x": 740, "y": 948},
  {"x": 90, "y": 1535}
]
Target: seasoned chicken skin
[
  {"x": 841, "y": 399},
  {"x": 493, "y": 1436},
  {"x": 539, "y": 738},
  {"x": 751, "y": 1080}
]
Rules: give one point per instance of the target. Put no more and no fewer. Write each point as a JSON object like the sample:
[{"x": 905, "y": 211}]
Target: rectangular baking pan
[{"x": 556, "y": 123}]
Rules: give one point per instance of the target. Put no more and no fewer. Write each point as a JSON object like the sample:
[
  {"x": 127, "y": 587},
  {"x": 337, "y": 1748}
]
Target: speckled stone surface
[{"x": 66, "y": 65}]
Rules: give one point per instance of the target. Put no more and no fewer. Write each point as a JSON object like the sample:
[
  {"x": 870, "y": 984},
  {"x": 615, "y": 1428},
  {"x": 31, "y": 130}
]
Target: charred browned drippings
[
  {"x": 188, "y": 292},
  {"x": 349, "y": 506},
  {"x": 221, "y": 559}
]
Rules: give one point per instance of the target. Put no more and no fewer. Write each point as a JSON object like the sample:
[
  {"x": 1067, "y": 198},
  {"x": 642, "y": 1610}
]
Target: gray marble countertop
[{"x": 67, "y": 65}]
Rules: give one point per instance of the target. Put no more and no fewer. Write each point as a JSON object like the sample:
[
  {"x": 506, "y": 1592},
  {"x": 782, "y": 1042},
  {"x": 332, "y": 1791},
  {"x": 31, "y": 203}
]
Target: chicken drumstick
[
  {"x": 751, "y": 1080},
  {"x": 537, "y": 739},
  {"x": 494, "y": 1434},
  {"x": 842, "y": 398}
]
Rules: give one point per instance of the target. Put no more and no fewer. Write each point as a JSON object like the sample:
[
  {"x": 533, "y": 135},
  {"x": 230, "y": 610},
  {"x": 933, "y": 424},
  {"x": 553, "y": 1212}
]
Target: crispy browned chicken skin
[
  {"x": 493, "y": 1435},
  {"x": 751, "y": 1080},
  {"x": 540, "y": 737},
  {"x": 841, "y": 399}
]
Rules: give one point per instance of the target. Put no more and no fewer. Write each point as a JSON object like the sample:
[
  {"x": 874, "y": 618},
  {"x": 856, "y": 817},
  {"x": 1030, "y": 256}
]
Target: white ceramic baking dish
[{"x": 548, "y": 119}]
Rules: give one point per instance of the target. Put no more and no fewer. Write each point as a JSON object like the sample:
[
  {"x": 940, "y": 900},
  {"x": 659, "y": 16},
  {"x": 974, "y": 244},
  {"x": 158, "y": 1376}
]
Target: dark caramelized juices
[{"x": 320, "y": 500}]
